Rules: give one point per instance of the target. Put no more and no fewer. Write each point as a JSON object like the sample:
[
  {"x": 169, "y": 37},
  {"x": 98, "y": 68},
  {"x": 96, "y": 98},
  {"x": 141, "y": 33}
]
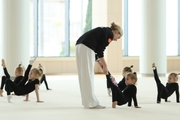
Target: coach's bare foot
[
  {"x": 3, "y": 63},
  {"x": 98, "y": 107}
]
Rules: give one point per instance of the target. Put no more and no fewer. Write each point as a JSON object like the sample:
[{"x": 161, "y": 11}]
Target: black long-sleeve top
[
  {"x": 97, "y": 39},
  {"x": 26, "y": 75},
  {"x": 122, "y": 84},
  {"x": 17, "y": 80},
  {"x": 130, "y": 93},
  {"x": 28, "y": 88},
  {"x": 173, "y": 87}
]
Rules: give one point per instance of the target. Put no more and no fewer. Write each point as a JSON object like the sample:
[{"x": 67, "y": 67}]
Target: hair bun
[
  {"x": 135, "y": 73},
  {"x": 19, "y": 65},
  {"x": 112, "y": 23}
]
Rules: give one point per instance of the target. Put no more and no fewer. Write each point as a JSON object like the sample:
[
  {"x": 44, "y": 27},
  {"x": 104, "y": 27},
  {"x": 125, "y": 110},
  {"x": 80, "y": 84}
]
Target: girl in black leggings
[
  {"x": 120, "y": 97},
  {"x": 121, "y": 83},
  {"x": 29, "y": 83},
  {"x": 18, "y": 75},
  {"x": 171, "y": 86},
  {"x": 43, "y": 77},
  {"x": 126, "y": 70}
]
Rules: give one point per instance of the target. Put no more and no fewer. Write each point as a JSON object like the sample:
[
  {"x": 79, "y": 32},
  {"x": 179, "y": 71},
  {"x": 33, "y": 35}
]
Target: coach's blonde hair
[{"x": 116, "y": 27}]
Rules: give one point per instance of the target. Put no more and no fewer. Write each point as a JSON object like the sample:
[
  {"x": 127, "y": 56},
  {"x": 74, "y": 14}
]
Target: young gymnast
[
  {"x": 18, "y": 75},
  {"x": 120, "y": 97},
  {"x": 24, "y": 87},
  {"x": 171, "y": 86},
  {"x": 121, "y": 83},
  {"x": 43, "y": 77}
]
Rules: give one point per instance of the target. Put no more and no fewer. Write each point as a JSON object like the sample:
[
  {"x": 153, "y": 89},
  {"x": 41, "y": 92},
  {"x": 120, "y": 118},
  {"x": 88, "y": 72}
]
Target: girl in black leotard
[
  {"x": 18, "y": 75},
  {"x": 126, "y": 70},
  {"x": 120, "y": 97},
  {"x": 121, "y": 83},
  {"x": 43, "y": 77},
  {"x": 29, "y": 83},
  {"x": 171, "y": 86}
]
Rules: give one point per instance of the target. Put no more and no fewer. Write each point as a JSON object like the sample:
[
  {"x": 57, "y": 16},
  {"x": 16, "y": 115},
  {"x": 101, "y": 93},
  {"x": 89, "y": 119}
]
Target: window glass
[
  {"x": 57, "y": 24},
  {"x": 31, "y": 27},
  {"x": 51, "y": 37},
  {"x": 79, "y": 13}
]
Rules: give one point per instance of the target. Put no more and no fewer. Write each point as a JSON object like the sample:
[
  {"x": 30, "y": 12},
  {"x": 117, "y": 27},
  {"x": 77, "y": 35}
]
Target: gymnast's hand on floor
[{"x": 27, "y": 97}]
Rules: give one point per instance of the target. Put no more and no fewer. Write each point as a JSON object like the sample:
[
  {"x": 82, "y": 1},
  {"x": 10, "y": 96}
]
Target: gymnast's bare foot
[
  {"x": 1, "y": 91},
  {"x": 114, "y": 104},
  {"x": 3, "y": 63}
]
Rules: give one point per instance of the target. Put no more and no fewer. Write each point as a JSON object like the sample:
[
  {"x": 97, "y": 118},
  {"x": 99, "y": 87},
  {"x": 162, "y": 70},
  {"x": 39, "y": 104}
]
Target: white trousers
[{"x": 85, "y": 59}]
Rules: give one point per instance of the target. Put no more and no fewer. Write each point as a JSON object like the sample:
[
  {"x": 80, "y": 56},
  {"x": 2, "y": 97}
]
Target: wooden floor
[{"x": 63, "y": 102}]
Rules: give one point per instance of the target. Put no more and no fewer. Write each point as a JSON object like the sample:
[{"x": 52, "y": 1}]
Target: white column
[
  {"x": 104, "y": 13},
  {"x": 2, "y": 33},
  {"x": 115, "y": 50},
  {"x": 15, "y": 33},
  {"x": 99, "y": 18},
  {"x": 153, "y": 41}
]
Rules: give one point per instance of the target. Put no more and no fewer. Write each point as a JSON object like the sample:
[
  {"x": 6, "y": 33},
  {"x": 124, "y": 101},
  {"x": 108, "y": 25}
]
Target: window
[
  {"x": 56, "y": 25},
  {"x": 78, "y": 12}
]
